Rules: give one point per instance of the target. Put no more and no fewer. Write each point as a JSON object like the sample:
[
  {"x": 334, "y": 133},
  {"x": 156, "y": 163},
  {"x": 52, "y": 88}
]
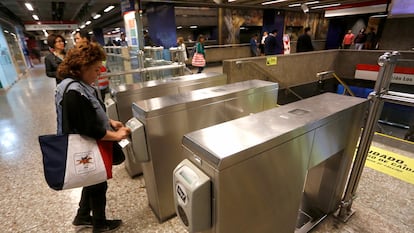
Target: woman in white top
[{"x": 181, "y": 47}]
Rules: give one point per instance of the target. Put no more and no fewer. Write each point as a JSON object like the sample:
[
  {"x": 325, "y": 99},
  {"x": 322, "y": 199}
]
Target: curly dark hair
[
  {"x": 82, "y": 55},
  {"x": 51, "y": 40}
]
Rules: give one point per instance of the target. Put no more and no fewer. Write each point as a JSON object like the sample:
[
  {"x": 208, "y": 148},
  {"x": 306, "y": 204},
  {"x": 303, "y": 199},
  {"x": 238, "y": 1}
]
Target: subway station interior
[{"x": 315, "y": 137}]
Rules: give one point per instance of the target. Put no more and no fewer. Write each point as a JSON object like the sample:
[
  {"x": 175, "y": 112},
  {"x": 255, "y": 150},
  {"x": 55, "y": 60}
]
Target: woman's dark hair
[
  {"x": 201, "y": 36},
  {"x": 307, "y": 29},
  {"x": 51, "y": 40},
  {"x": 84, "y": 54},
  {"x": 84, "y": 34}
]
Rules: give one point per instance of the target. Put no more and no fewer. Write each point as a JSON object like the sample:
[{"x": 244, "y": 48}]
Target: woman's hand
[
  {"x": 116, "y": 124},
  {"x": 117, "y": 135}
]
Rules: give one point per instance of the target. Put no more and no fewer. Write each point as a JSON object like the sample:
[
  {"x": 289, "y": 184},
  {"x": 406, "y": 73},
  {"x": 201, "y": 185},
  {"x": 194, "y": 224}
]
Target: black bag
[{"x": 118, "y": 156}]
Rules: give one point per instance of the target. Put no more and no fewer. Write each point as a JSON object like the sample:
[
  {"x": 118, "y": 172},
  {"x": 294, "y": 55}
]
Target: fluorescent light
[
  {"x": 326, "y": 6},
  {"x": 109, "y": 8},
  {"x": 90, "y": 33},
  {"x": 74, "y": 32},
  {"x": 78, "y": 30},
  {"x": 29, "y": 6},
  {"x": 179, "y": 27},
  {"x": 35, "y": 17},
  {"x": 194, "y": 26},
  {"x": 311, "y": 3},
  {"x": 6, "y": 31},
  {"x": 82, "y": 26},
  {"x": 379, "y": 16},
  {"x": 118, "y": 29},
  {"x": 88, "y": 22},
  {"x": 273, "y": 2},
  {"x": 306, "y": 3},
  {"x": 97, "y": 16},
  {"x": 232, "y": 0}
]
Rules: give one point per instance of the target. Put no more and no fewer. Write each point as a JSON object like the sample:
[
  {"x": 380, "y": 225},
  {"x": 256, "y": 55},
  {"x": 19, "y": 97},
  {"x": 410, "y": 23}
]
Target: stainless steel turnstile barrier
[
  {"x": 124, "y": 95},
  {"x": 120, "y": 107},
  {"x": 166, "y": 119},
  {"x": 282, "y": 170}
]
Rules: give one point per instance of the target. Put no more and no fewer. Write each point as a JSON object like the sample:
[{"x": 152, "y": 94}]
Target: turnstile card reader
[
  {"x": 111, "y": 110},
  {"x": 134, "y": 148},
  {"x": 291, "y": 163},
  {"x": 192, "y": 192}
]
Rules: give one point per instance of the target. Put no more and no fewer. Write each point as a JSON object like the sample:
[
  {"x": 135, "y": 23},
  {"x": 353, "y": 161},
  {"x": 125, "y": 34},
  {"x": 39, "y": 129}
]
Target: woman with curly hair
[{"x": 79, "y": 110}]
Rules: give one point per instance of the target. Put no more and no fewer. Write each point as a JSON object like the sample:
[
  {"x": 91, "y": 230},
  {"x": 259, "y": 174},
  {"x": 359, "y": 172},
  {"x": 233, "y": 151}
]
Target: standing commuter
[
  {"x": 199, "y": 57},
  {"x": 348, "y": 40},
  {"x": 253, "y": 46},
  {"x": 55, "y": 57},
  {"x": 272, "y": 46},
  {"x": 262, "y": 42},
  {"x": 81, "y": 111},
  {"x": 181, "y": 46},
  {"x": 123, "y": 41},
  {"x": 360, "y": 39},
  {"x": 304, "y": 43},
  {"x": 82, "y": 36},
  {"x": 371, "y": 39}
]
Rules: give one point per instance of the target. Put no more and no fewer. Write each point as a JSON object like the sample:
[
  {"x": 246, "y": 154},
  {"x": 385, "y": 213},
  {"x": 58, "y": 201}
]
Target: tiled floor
[{"x": 27, "y": 204}]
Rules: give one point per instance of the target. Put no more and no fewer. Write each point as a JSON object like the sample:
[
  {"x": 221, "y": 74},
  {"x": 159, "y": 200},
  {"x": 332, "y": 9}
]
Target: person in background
[
  {"x": 348, "y": 40},
  {"x": 123, "y": 41},
  {"x": 262, "y": 42},
  {"x": 55, "y": 57},
  {"x": 147, "y": 39},
  {"x": 79, "y": 110},
  {"x": 199, "y": 48},
  {"x": 304, "y": 43},
  {"x": 371, "y": 39},
  {"x": 181, "y": 46},
  {"x": 82, "y": 36},
  {"x": 272, "y": 46},
  {"x": 254, "y": 46},
  {"x": 360, "y": 39}
]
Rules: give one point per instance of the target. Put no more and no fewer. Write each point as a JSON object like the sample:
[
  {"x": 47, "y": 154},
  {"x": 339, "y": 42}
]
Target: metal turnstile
[
  {"x": 166, "y": 119},
  {"x": 119, "y": 106},
  {"x": 124, "y": 95},
  {"x": 281, "y": 170}
]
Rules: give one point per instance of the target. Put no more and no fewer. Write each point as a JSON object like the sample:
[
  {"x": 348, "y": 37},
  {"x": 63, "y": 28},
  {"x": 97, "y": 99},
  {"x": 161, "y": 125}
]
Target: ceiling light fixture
[
  {"x": 74, "y": 32},
  {"x": 306, "y": 3},
  {"x": 97, "y": 16},
  {"x": 326, "y": 6},
  {"x": 88, "y": 22},
  {"x": 232, "y": 0},
  {"x": 109, "y": 8},
  {"x": 82, "y": 26},
  {"x": 6, "y": 31},
  {"x": 273, "y": 2},
  {"x": 179, "y": 27},
  {"x": 378, "y": 16},
  {"x": 90, "y": 33},
  {"x": 194, "y": 26},
  {"x": 29, "y": 6},
  {"x": 35, "y": 17}
]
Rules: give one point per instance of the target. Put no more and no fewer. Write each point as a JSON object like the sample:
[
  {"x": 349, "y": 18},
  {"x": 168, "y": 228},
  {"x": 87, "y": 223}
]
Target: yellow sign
[
  {"x": 392, "y": 164},
  {"x": 271, "y": 61}
]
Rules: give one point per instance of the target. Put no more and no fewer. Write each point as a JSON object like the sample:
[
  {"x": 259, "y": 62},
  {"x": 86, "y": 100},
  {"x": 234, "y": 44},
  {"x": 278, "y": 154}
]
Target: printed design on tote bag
[{"x": 84, "y": 162}]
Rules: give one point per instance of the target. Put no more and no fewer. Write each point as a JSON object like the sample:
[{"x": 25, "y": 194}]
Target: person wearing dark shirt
[
  {"x": 304, "y": 43},
  {"x": 272, "y": 46},
  {"x": 371, "y": 39},
  {"x": 147, "y": 39},
  {"x": 254, "y": 46},
  {"x": 360, "y": 39},
  {"x": 55, "y": 57},
  {"x": 79, "y": 110}
]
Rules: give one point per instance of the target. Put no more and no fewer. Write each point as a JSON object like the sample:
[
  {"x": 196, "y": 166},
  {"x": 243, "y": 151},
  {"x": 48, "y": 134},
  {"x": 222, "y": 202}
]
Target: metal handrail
[
  {"x": 269, "y": 76},
  {"x": 380, "y": 95},
  {"x": 322, "y": 74}
]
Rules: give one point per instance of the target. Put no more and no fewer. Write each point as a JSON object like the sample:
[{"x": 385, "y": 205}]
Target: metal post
[{"x": 387, "y": 62}]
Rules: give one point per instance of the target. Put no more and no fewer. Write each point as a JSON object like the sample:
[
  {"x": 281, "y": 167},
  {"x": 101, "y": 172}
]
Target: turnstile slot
[{"x": 136, "y": 151}]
